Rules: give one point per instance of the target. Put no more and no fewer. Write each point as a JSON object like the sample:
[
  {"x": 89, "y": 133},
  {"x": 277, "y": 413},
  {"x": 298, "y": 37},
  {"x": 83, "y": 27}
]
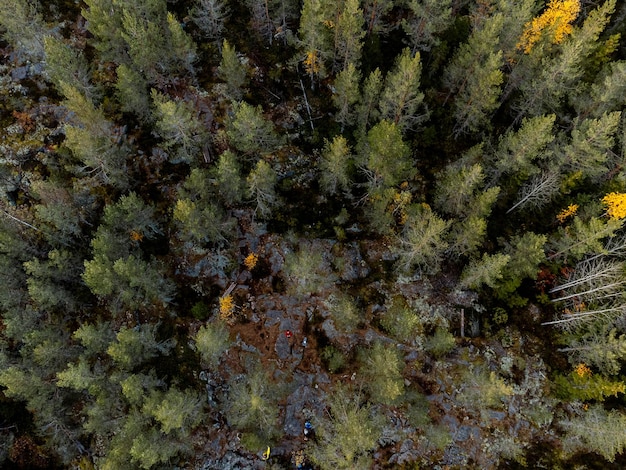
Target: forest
[{"x": 312, "y": 234}]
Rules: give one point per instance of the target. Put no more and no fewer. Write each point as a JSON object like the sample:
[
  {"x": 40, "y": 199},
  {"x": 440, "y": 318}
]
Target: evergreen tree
[
  {"x": 210, "y": 17},
  {"x": 401, "y": 99},
  {"x": 248, "y": 131},
  {"x": 336, "y": 165},
  {"x": 232, "y": 71},
  {"x": 23, "y": 26},
  {"x": 473, "y": 77},
  {"x": 132, "y": 92},
  {"x": 262, "y": 188},
  {"x": 428, "y": 20},
  {"x": 386, "y": 157},
  {"x": 67, "y": 65},
  {"x": 346, "y": 95},
  {"x": 348, "y": 33}
]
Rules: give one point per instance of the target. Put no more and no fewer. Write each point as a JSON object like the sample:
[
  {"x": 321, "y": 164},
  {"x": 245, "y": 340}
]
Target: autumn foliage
[{"x": 557, "y": 18}]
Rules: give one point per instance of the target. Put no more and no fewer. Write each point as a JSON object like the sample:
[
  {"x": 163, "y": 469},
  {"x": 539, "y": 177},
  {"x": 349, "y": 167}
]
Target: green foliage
[
  {"x": 386, "y": 156},
  {"x": 248, "y": 131},
  {"x": 211, "y": 342},
  {"x": 346, "y": 435},
  {"x": 483, "y": 389},
  {"x": 23, "y": 26},
  {"x": 401, "y": 99},
  {"x": 132, "y": 92},
  {"x": 252, "y": 404},
  {"x": 474, "y": 77},
  {"x": 586, "y": 386},
  {"x": 344, "y": 312},
  {"x": 367, "y": 109},
  {"x": 428, "y": 20},
  {"x": 67, "y": 65},
  {"x": 179, "y": 126},
  {"x": 597, "y": 429},
  {"x": 201, "y": 222},
  {"x": 134, "y": 346},
  {"x": 261, "y": 184},
  {"x": 334, "y": 359},
  {"x": 422, "y": 242},
  {"x": 308, "y": 270},
  {"x": 232, "y": 71},
  {"x": 346, "y": 95},
  {"x": 336, "y": 166},
  {"x": 381, "y": 372},
  {"x": 440, "y": 343},
  {"x": 401, "y": 322},
  {"x": 600, "y": 347},
  {"x": 348, "y": 35},
  {"x": 230, "y": 184},
  {"x": 175, "y": 410},
  {"x": 487, "y": 270},
  {"x": 210, "y": 17}
]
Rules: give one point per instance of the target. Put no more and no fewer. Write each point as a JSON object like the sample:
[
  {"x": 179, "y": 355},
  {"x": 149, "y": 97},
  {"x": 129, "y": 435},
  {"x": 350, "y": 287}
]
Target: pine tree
[
  {"x": 262, "y": 188},
  {"x": 428, "y": 20},
  {"x": 374, "y": 12},
  {"x": 336, "y": 166},
  {"x": 67, "y": 65},
  {"x": 348, "y": 33},
  {"x": 23, "y": 26},
  {"x": 386, "y": 156},
  {"x": 315, "y": 38},
  {"x": 367, "y": 109},
  {"x": 345, "y": 435},
  {"x": 132, "y": 93},
  {"x": 248, "y": 131},
  {"x": 401, "y": 99},
  {"x": 178, "y": 124},
  {"x": 423, "y": 241},
  {"x": 473, "y": 77},
  {"x": 232, "y": 71},
  {"x": 380, "y": 369},
  {"x": 346, "y": 95},
  {"x": 485, "y": 271},
  {"x": 210, "y": 17}
]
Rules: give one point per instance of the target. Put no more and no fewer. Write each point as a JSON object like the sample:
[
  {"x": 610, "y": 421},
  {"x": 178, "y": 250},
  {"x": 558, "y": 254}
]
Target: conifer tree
[
  {"x": 23, "y": 26},
  {"x": 346, "y": 95},
  {"x": 386, "y": 155},
  {"x": 473, "y": 77},
  {"x": 336, "y": 165},
  {"x": 232, "y": 71},
  {"x": 348, "y": 35},
  {"x": 401, "y": 99},
  {"x": 262, "y": 188},
  {"x": 132, "y": 92},
  {"x": 248, "y": 131},
  {"x": 67, "y": 65},
  {"x": 210, "y": 17},
  {"x": 374, "y": 12},
  {"x": 429, "y": 18}
]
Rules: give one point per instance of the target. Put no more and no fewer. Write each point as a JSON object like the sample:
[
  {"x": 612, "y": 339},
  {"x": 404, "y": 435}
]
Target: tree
[
  {"x": 315, "y": 38},
  {"x": 601, "y": 347},
  {"x": 202, "y": 222},
  {"x": 348, "y": 34},
  {"x": 598, "y": 430},
  {"x": 211, "y": 342},
  {"x": 230, "y": 184},
  {"x": 336, "y": 166},
  {"x": 248, "y": 131},
  {"x": 232, "y": 71},
  {"x": 178, "y": 124},
  {"x": 104, "y": 22},
  {"x": 547, "y": 87},
  {"x": 401, "y": 99},
  {"x": 132, "y": 92},
  {"x": 428, "y": 20},
  {"x": 557, "y": 19},
  {"x": 94, "y": 140},
  {"x": 253, "y": 404},
  {"x": 592, "y": 141},
  {"x": 346, "y": 95},
  {"x": 346, "y": 434},
  {"x": 210, "y": 17},
  {"x": 386, "y": 156},
  {"x": 134, "y": 346},
  {"x": 308, "y": 270},
  {"x": 488, "y": 271},
  {"x": 380, "y": 369},
  {"x": 374, "y": 12},
  {"x": 367, "y": 109},
  {"x": 23, "y": 26},
  {"x": 65, "y": 64},
  {"x": 262, "y": 188},
  {"x": 474, "y": 77},
  {"x": 176, "y": 411},
  {"x": 422, "y": 242}
]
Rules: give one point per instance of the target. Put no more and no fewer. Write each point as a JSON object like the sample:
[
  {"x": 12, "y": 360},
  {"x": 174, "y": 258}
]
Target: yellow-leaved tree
[
  {"x": 615, "y": 205},
  {"x": 557, "y": 18}
]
